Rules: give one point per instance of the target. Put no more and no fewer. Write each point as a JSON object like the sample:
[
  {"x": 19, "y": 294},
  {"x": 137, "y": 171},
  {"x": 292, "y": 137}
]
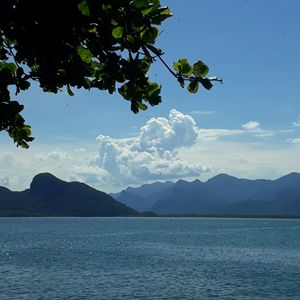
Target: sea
[{"x": 149, "y": 258}]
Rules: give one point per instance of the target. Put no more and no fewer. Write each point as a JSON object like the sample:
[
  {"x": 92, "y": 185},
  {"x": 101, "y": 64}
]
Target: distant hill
[
  {"x": 50, "y": 196},
  {"x": 220, "y": 195},
  {"x": 141, "y": 198}
]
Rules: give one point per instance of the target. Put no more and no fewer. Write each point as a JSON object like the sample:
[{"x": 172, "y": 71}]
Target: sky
[{"x": 248, "y": 127}]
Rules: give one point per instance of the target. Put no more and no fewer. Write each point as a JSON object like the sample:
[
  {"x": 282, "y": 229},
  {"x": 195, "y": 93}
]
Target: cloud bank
[{"x": 165, "y": 148}]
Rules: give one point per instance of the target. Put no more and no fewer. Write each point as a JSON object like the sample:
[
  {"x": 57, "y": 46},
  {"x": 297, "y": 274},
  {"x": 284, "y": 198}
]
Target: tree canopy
[{"x": 104, "y": 44}]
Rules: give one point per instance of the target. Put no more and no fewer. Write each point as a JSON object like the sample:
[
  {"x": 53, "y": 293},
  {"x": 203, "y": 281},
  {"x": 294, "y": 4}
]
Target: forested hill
[
  {"x": 50, "y": 196},
  {"x": 220, "y": 195}
]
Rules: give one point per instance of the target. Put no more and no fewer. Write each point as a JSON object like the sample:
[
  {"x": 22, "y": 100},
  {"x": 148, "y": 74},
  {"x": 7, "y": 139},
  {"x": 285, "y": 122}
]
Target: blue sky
[{"x": 248, "y": 127}]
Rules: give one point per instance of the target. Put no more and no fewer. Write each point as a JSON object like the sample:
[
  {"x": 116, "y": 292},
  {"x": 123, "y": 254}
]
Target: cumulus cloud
[{"x": 153, "y": 154}]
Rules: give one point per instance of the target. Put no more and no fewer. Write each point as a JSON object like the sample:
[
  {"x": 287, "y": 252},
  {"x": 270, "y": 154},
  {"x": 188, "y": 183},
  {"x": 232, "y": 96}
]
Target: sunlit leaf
[
  {"x": 10, "y": 66},
  {"x": 183, "y": 67},
  {"x": 85, "y": 54},
  {"x": 142, "y": 106},
  {"x": 118, "y": 32}
]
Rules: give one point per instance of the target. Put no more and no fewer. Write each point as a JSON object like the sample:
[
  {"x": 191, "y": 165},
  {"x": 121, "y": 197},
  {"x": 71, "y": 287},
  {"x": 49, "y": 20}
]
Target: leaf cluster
[{"x": 107, "y": 45}]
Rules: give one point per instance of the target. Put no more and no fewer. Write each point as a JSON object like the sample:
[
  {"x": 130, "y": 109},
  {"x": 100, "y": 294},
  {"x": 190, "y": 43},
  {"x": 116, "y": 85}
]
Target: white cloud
[
  {"x": 286, "y": 130},
  {"x": 18, "y": 168},
  {"x": 153, "y": 154},
  {"x": 254, "y": 127},
  {"x": 245, "y": 160},
  {"x": 251, "y": 126},
  {"x": 215, "y": 134},
  {"x": 294, "y": 141},
  {"x": 55, "y": 155},
  {"x": 203, "y": 112},
  {"x": 164, "y": 148}
]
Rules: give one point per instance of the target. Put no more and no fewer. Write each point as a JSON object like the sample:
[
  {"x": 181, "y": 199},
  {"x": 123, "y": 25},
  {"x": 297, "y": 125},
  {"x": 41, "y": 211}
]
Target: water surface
[{"x": 149, "y": 258}]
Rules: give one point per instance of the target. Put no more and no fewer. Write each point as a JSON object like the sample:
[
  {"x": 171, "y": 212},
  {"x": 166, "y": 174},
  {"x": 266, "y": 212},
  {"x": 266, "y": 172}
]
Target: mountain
[
  {"x": 141, "y": 198},
  {"x": 50, "y": 196},
  {"x": 221, "y": 195}
]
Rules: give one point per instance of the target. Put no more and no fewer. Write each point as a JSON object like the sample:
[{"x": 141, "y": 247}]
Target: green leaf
[
  {"x": 24, "y": 85},
  {"x": 27, "y": 130},
  {"x": 160, "y": 15},
  {"x": 14, "y": 107},
  {"x": 134, "y": 107},
  {"x": 193, "y": 85},
  {"x": 154, "y": 89},
  {"x": 183, "y": 67},
  {"x": 84, "y": 8},
  {"x": 85, "y": 54},
  {"x": 114, "y": 22},
  {"x": 153, "y": 93},
  {"x": 23, "y": 144},
  {"x": 118, "y": 32},
  {"x": 155, "y": 50},
  {"x": 88, "y": 83},
  {"x": 148, "y": 10},
  {"x": 142, "y": 106},
  {"x": 206, "y": 83},
  {"x": 149, "y": 35},
  {"x": 20, "y": 71},
  {"x": 145, "y": 64},
  {"x": 9, "y": 66},
  {"x": 69, "y": 90},
  {"x": 200, "y": 69},
  {"x": 165, "y": 11},
  {"x": 106, "y": 6},
  {"x": 140, "y": 3}
]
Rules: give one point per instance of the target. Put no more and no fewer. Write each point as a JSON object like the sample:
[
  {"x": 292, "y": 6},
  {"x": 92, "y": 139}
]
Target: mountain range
[
  {"x": 220, "y": 195},
  {"x": 50, "y": 196}
]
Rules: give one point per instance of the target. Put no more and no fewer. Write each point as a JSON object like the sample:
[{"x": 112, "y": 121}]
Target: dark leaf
[
  {"x": 200, "y": 69},
  {"x": 206, "y": 83},
  {"x": 84, "y": 8}
]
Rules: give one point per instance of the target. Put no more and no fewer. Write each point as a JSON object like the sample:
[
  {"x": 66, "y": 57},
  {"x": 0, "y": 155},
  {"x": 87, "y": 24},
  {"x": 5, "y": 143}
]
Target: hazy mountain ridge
[
  {"x": 220, "y": 195},
  {"x": 50, "y": 196},
  {"x": 143, "y": 198}
]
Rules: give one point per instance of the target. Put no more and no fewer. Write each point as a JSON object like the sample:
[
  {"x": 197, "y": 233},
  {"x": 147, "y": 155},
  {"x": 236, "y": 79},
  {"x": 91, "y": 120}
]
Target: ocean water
[{"x": 149, "y": 258}]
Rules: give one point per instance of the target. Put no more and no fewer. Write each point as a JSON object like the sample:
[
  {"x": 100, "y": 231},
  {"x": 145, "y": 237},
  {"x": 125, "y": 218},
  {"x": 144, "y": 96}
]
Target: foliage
[{"x": 108, "y": 45}]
